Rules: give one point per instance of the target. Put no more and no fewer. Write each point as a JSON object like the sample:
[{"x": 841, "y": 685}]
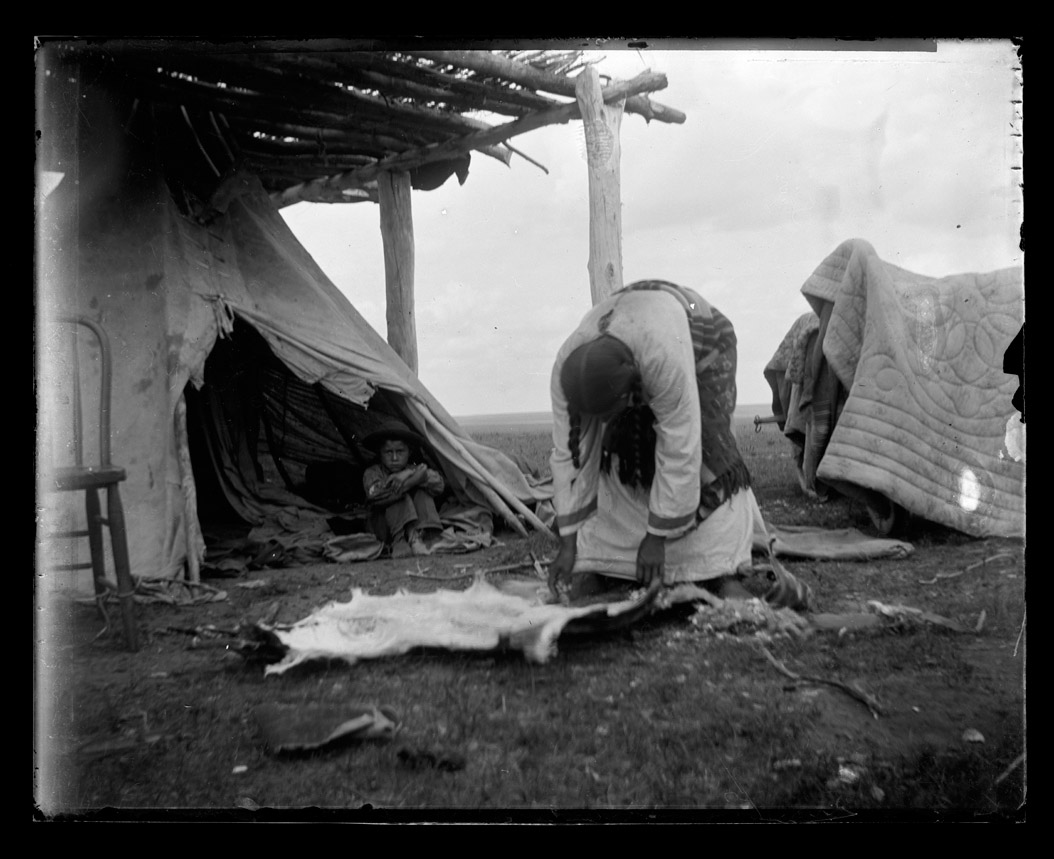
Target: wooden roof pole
[
  {"x": 601, "y": 123},
  {"x": 397, "y": 235},
  {"x": 526, "y": 75},
  {"x": 620, "y": 90}
]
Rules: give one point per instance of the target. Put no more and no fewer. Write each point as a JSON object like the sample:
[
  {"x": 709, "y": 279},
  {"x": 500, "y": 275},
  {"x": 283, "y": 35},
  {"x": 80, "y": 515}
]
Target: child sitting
[{"x": 401, "y": 492}]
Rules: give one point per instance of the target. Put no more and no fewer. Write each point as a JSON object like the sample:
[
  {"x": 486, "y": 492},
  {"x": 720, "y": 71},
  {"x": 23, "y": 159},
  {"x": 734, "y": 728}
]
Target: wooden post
[
  {"x": 58, "y": 96},
  {"x": 397, "y": 234},
  {"x": 601, "y": 123}
]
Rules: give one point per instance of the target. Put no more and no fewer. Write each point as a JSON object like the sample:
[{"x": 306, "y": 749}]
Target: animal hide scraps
[
  {"x": 482, "y": 617},
  {"x": 303, "y": 727}
]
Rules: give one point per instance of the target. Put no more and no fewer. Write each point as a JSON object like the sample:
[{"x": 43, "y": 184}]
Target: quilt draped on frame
[{"x": 909, "y": 401}]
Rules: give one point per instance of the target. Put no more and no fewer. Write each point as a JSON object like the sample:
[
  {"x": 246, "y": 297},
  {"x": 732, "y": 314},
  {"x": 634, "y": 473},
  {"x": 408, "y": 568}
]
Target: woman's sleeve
[
  {"x": 667, "y": 366},
  {"x": 574, "y": 489}
]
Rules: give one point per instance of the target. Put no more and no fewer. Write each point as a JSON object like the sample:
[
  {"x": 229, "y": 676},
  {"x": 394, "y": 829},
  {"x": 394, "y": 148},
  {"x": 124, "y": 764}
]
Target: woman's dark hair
[
  {"x": 597, "y": 374},
  {"x": 573, "y": 436},
  {"x": 631, "y": 437},
  {"x": 594, "y": 378}
]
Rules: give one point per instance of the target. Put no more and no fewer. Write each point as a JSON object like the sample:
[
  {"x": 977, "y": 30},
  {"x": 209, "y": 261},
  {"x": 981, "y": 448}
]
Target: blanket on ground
[
  {"x": 928, "y": 402},
  {"x": 296, "y": 536}
]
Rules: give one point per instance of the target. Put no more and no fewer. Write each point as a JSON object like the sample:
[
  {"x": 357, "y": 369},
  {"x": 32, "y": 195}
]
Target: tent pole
[
  {"x": 397, "y": 234},
  {"x": 493, "y": 493},
  {"x": 601, "y": 123},
  {"x": 195, "y": 543}
]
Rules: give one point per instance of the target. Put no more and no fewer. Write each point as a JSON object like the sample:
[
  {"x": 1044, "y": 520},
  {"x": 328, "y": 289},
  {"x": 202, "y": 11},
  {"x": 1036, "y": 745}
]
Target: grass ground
[{"x": 663, "y": 721}]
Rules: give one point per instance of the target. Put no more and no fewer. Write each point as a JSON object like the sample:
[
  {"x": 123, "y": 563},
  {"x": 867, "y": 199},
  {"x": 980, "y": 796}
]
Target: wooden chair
[{"x": 91, "y": 479}]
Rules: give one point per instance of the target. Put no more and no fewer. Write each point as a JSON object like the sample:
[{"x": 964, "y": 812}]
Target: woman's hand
[
  {"x": 651, "y": 559},
  {"x": 560, "y": 568}
]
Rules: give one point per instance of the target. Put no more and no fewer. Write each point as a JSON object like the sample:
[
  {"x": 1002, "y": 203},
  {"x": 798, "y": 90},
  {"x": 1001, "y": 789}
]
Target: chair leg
[
  {"x": 125, "y": 584},
  {"x": 95, "y": 545}
]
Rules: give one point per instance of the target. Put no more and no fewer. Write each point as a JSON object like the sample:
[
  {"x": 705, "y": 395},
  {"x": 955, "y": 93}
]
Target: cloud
[{"x": 783, "y": 156}]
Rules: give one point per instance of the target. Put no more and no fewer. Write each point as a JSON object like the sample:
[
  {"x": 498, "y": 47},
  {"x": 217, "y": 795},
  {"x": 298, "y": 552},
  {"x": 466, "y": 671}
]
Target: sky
[{"x": 784, "y": 154}]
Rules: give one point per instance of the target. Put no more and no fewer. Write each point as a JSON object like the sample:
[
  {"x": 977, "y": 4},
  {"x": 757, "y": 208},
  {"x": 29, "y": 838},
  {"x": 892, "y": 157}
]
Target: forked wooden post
[
  {"x": 397, "y": 235},
  {"x": 601, "y": 123}
]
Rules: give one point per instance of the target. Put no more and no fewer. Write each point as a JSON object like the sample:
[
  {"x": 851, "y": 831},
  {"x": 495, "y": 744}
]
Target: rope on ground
[
  {"x": 100, "y": 602},
  {"x": 1021, "y": 632},
  {"x": 161, "y": 590},
  {"x": 158, "y": 589},
  {"x": 955, "y": 575},
  {"x": 868, "y": 700},
  {"x": 542, "y": 574},
  {"x": 1020, "y": 759},
  {"x": 471, "y": 574},
  {"x": 423, "y": 575}
]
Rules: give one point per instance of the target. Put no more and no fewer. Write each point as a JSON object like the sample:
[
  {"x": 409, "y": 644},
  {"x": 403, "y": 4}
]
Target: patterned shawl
[{"x": 714, "y": 345}]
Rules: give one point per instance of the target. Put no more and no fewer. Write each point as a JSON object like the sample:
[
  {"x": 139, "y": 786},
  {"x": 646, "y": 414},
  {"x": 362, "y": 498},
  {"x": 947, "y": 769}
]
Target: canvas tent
[
  {"x": 161, "y": 169},
  {"x": 893, "y": 391},
  {"x": 169, "y": 292}
]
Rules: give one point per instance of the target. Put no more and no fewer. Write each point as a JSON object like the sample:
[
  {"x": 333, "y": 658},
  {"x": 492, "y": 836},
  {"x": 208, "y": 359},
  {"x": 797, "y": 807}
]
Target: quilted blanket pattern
[{"x": 928, "y": 406}]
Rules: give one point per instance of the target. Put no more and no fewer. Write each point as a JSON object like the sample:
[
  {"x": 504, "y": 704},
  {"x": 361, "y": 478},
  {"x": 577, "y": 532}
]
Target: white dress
[{"x": 609, "y": 518}]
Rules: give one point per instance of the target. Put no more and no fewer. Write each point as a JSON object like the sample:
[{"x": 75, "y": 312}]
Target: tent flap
[{"x": 236, "y": 316}]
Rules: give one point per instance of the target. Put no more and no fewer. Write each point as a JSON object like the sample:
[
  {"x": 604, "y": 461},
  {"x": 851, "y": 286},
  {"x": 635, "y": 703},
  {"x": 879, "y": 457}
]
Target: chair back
[
  {"x": 94, "y": 480},
  {"x": 105, "y": 382}
]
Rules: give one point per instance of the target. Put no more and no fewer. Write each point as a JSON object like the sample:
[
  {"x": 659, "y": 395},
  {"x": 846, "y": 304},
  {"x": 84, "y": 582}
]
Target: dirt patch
[{"x": 662, "y": 717}]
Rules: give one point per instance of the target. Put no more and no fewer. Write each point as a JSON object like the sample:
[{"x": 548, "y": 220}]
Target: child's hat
[{"x": 391, "y": 429}]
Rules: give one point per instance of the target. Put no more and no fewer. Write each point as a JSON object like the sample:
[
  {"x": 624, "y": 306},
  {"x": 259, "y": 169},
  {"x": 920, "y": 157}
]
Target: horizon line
[{"x": 743, "y": 407}]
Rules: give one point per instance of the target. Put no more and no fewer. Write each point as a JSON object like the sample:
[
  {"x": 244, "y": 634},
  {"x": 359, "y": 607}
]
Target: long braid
[
  {"x": 648, "y": 439},
  {"x": 631, "y": 437},
  {"x": 645, "y": 447},
  {"x": 629, "y": 466},
  {"x": 572, "y": 438},
  {"x": 596, "y": 378},
  {"x": 629, "y": 454}
]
